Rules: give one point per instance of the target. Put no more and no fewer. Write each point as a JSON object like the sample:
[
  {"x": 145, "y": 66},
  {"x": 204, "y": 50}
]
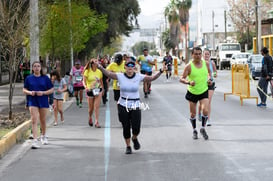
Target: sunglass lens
[{"x": 130, "y": 65}]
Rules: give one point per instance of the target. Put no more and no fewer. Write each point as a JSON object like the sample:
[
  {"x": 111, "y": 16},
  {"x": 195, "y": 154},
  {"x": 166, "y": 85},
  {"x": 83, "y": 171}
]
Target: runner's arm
[
  {"x": 186, "y": 72},
  {"x": 109, "y": 74}
]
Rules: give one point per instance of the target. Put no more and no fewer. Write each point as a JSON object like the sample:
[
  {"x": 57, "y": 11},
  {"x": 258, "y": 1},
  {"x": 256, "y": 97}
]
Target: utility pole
[
  {"x": 213, "y": 33},
  {"x": 34, "y": 31},
  {"x": 71, "y": 35},
  {"x": 258, "y": 25},
  {"x": 225, "y": 17}
]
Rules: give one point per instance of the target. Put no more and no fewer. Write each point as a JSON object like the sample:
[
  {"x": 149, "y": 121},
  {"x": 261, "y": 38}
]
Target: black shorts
[
  {"x": 78, "y": 88},
  {"x": 116, "y": 95},
  {"x": 212, "y": 87},
  {"x": 195, "y": 98},
  {"x": 90, "y": 93},
  {"x": 145, "y": 72},
  {"x": 169, "y": 67}
]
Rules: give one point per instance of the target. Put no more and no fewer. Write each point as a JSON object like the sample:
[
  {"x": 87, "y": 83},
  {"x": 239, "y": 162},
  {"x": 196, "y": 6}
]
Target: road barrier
[
  {"x": 240, "y": 83},
  {"x": 175, "y": 65}
]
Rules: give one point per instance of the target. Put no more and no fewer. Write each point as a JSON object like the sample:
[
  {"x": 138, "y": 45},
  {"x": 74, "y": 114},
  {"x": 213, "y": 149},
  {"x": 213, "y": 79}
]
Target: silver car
[{"x": 255, "y": 65}]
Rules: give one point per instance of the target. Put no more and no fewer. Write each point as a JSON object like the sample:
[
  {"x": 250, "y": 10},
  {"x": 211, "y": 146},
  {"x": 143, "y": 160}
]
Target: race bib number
[
  {"x": 78, "y": 78},
  {"x": 96, "y": 91}
]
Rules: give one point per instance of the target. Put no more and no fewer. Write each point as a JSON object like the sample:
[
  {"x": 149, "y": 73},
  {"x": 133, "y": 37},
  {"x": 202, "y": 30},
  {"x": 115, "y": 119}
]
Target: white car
[{"x": 239, "y": 58}]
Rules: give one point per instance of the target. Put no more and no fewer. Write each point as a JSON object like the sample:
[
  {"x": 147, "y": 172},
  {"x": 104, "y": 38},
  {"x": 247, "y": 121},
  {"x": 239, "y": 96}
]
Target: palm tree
[
  {"x": 183, "y": 7},
  {"x": 173, "y": 19}
]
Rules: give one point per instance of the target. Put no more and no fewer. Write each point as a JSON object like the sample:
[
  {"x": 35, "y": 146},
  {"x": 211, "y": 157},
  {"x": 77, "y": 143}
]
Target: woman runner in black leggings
[{"x": 129, "y": 103}]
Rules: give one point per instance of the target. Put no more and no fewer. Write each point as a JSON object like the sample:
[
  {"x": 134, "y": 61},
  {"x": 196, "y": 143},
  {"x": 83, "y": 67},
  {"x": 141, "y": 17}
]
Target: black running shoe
[
  {"x": 128, "y": 150},
  {"x": 204, "y": 133},
  {"x": 194, "y": 136},
  {"x": 136, "y": 144}
]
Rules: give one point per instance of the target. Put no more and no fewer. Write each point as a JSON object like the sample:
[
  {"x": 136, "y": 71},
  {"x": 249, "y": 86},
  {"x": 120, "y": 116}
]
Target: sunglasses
[{"x": 130, "y": 64}]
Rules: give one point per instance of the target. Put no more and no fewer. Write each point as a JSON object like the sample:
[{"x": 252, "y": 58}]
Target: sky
[{"x": 151, "y": 16}]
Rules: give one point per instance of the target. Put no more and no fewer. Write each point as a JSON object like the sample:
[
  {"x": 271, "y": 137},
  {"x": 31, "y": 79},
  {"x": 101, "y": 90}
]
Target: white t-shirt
[{"x": 129, "y": 90}]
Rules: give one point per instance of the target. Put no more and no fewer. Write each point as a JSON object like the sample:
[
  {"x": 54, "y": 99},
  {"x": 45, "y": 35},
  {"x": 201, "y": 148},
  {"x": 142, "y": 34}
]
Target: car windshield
[
  {"x": 230, "y": 47},
  {"x": 257, "y": 59},
  {"x": 242, "y": 56}
]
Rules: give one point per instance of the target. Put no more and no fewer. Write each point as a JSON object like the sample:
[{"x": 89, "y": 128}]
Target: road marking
[{"x": 107, "y": 138}]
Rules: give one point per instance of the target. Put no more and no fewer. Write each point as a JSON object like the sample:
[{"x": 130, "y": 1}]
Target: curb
[
  {"x": 17, "y": 134},
  {"x": 13, "y": 137}
]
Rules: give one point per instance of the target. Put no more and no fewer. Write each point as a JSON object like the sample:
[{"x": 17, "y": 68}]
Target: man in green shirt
[{"x": 196, "y": 75}]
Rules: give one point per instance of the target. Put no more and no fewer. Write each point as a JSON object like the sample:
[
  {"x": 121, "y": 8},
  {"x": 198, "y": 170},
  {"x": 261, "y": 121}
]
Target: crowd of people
[{"x": 93, "y": 80}]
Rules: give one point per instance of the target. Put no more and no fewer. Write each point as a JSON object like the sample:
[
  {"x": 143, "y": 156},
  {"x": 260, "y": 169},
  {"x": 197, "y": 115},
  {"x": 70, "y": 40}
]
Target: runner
[
  {"x": 117, "y": 66},
  {"x": 196, "y": 75},
  {"x": 37, "y": 87},
  {"x": 60, "y": 87},
  {"x": 129, "y": 102},
  {"x": 76, "y": 74},
  {"x": 146, "y": 63},
  {"x": 168, "y": 62},
  {"x": 92, "y": 81},
  {"x": 211, "y": 88}
]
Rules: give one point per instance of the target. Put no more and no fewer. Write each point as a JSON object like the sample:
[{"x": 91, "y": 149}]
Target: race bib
[
  {"x": 96, "y": 91},
  {"x": 78, "y": 78}
]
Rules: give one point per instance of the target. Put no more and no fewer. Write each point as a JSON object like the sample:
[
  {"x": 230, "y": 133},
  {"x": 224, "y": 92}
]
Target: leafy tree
[
  {"x": 138, "y": 47},
  {"x": 174, "y": 29},
  {"x": 14, "y": 21},
  {"x": 242, "y": 14},
  {"x": 168, "y": 43},
  {"x": 85, "y": 23},
  {"x": 183, "y": 7},
  {"x": 121, "y": 19}
]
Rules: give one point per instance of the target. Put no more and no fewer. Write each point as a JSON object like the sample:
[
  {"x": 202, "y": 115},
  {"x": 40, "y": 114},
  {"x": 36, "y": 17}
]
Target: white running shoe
[
  {"x": 44, "y": 140},
  {"x": 35, "y": 144},
  {"x": 208, "y": 123}
]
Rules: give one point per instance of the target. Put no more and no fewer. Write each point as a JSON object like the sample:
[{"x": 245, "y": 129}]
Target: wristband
[{"x": 160, "y": 70}]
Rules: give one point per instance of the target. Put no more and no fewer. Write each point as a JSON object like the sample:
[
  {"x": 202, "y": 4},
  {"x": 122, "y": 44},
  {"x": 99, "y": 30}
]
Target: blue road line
[{"x": 107, "y": 138}]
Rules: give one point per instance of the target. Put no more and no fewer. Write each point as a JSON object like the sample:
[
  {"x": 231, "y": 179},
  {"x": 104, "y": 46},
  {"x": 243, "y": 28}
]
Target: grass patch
[{"x": 4, "y": 131}]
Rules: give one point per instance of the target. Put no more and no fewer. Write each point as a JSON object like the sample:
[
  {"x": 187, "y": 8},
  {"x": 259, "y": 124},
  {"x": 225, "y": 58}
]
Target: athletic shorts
[
  {"x": 145, "y": 72},
  {"x": 212, "y": 87},
  {"x": 78, "y": 88},
  {"x": 90, "y": 93},
  {"x": 116, "y": 95},
  {"x": 195, "y": 98}
]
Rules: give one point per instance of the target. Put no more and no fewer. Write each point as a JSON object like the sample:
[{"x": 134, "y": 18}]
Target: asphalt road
[{"x": 240, "y": 145}]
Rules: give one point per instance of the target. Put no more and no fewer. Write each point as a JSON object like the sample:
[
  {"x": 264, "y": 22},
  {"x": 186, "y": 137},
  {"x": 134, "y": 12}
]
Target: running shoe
[
  {"x": 44, "y": 140},
  {"x": 30, "y": 136},
  {"x": 136, "y": 144},
  {"x": 261, "y": 105},
  {"x": 80, "y": 105},
  {"x": 195, "y": 135},
  {"x": 90, "y": 122},
  {"x": 204, "y": 133},
  {"x": 208, "y": 123},
  {"x": 146, "y": 95},
  {"x": 128, "y": 150},
  {"x": 35, "y": 144},
  {"x": 78, "y": 102},
  {"x": 55, "y": 123}
]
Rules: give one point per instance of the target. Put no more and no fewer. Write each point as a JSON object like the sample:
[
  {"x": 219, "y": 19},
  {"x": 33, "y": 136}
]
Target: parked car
[
  {"x": 239, "y": 58},
  {"x": 255, "y": 65}
]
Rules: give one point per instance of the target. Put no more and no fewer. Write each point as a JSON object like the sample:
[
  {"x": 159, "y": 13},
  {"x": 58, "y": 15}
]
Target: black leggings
[{"x": 129, "y": 119}]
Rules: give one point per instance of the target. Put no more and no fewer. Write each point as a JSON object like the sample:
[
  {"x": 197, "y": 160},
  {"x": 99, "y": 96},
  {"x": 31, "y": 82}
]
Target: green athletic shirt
[{"x": 200, "y": 77}]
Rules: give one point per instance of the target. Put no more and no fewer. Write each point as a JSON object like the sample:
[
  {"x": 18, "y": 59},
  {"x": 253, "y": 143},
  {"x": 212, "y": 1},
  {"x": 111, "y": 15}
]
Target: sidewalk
[{"x": 18, "y": 95}]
